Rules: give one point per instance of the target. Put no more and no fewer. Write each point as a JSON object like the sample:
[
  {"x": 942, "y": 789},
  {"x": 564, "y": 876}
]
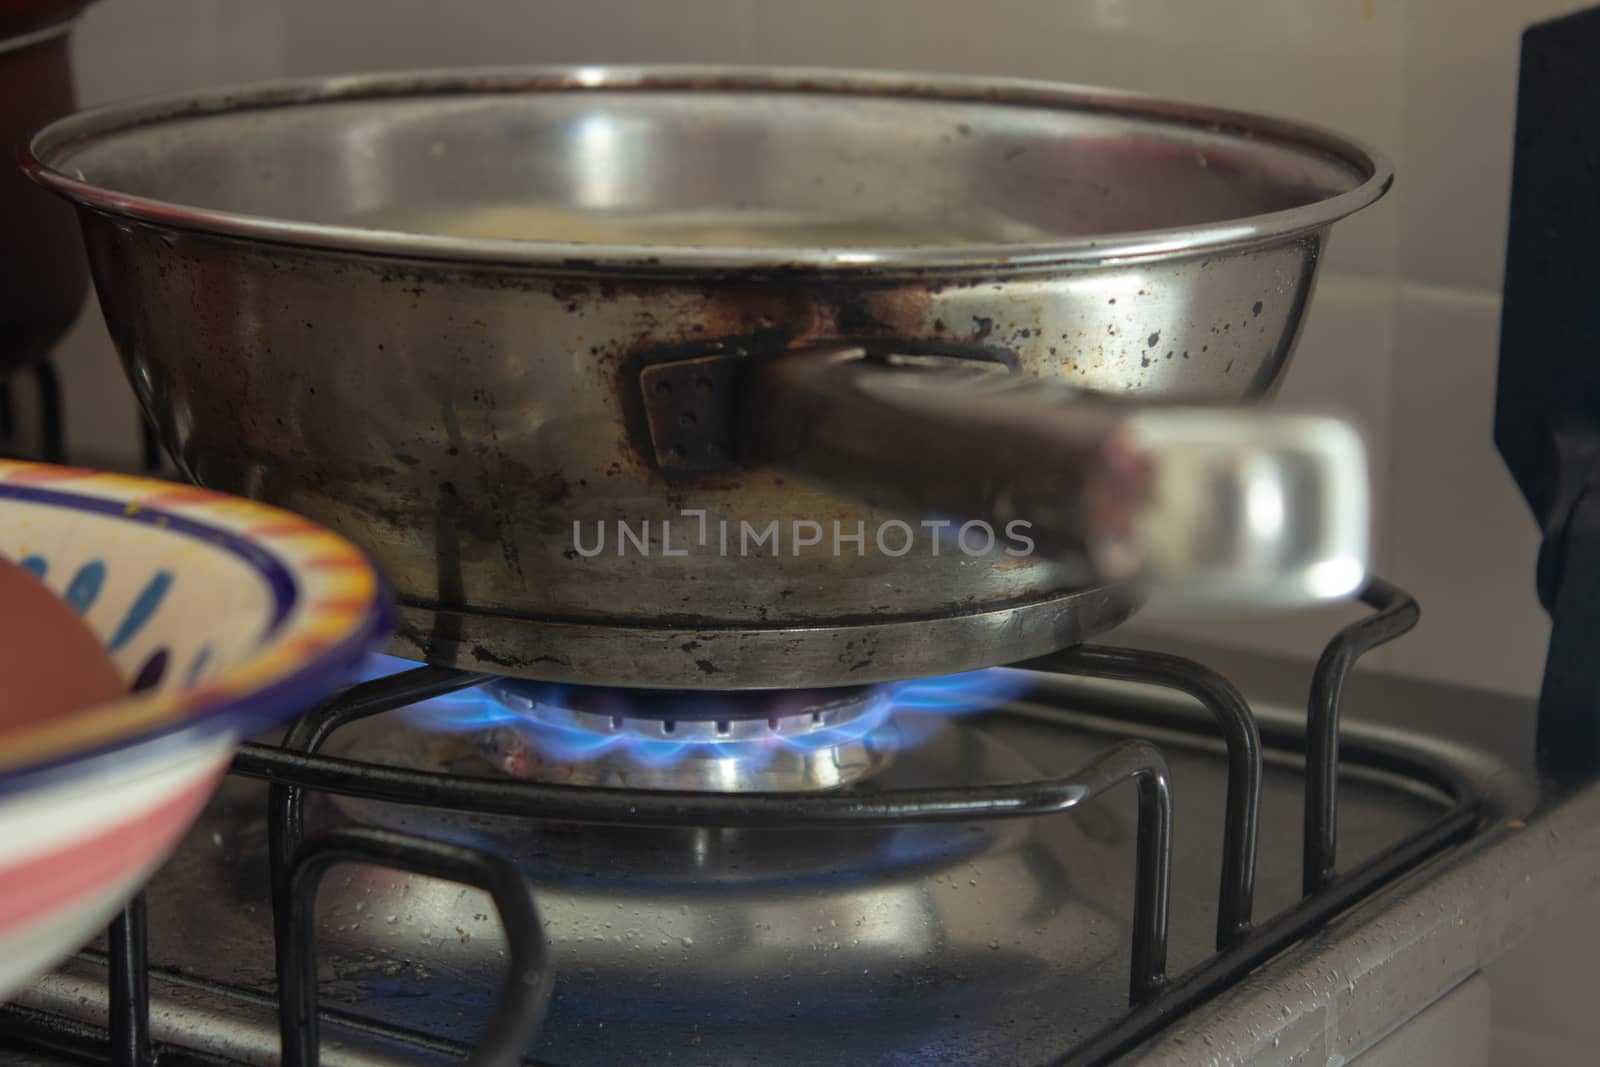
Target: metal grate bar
[
  {"x": 1242, "y": 820},
  {"x": 129, "y": 972},
  {"x": 286, "y": 800},
  {"x": 52, "y": 435},
  {"x": 1395, "y": 613},
  {"x": 1270, "y": 938},
  {"x": 576, "y": 803},
  {"x": 525, "y": 993}
]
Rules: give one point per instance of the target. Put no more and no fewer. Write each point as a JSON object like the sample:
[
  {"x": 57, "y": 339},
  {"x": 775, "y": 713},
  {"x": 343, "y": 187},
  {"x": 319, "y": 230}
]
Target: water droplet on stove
[
  {"x": 686, "y": 941},
  {"x": 392, "y": 920},
  {"x": 995, "y": 945},
  {"x": 361, "y": 905},
  {"x": 216, "y": 839}
]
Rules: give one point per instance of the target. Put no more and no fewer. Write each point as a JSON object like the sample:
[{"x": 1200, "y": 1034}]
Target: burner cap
[{"x": 764, "y": 740}]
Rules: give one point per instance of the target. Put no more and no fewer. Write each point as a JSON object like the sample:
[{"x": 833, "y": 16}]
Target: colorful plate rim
[{"x": 332, "y": 607}]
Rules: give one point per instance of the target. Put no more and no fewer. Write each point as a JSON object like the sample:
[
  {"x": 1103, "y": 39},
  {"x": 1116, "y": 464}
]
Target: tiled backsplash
[{"x": 1403, "y": 334}]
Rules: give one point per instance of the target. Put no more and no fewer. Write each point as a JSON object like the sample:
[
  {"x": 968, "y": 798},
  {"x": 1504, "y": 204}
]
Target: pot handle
[{"x": 1201, "y": 505}]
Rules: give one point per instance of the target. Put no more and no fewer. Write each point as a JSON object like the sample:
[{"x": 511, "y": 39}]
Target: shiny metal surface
[
  {"x": 818, "y": 742},
  {"x": 688, "y": 654},
  {"x": 462, "y": 406},
  {"x": 1281, "y": 519},
  {"x": 1200, "y": 506},
  {"x": 700, "y": 944}
]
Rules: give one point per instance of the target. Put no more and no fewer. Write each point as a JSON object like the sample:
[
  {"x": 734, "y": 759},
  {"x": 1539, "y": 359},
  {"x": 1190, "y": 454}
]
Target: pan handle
[{"x": 1203, "y": 506}]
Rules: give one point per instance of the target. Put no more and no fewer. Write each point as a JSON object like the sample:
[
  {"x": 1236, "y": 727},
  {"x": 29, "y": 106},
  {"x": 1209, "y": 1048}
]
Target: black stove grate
[
  {"x": 50, "y": 443},
  {"x": 51, "y": 431},
  {"x": 298, "y": 861}
]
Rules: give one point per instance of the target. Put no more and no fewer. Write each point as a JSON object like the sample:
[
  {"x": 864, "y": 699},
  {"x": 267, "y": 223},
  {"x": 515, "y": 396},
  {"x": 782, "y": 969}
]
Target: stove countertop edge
[{"x": 1334, "y": 996}]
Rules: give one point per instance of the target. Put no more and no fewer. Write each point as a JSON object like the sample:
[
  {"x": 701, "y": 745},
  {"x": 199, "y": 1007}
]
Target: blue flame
[{"x": 917, "y": 706}]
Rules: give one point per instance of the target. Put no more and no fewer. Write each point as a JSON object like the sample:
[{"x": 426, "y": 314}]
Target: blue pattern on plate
[
  {"x": 160, "y": 646},
  {"x": 256, "y": 556},
  {"x": 142, "y": 609},
  {"x": 85, "y": 586},
  {"x": 200, "y": 660},
  {"x": 151, "y": 673}
]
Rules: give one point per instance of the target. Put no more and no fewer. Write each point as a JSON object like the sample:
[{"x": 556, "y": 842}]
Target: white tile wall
[{"x": 1403, "y": 334}]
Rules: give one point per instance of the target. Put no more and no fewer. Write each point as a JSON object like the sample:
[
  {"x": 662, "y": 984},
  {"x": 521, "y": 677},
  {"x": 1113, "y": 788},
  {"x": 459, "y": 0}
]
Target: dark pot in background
[{"x": 43, "y": 276}]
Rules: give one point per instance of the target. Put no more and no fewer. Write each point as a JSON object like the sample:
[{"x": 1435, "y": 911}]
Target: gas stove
[{"x": 1042, "y": 864}]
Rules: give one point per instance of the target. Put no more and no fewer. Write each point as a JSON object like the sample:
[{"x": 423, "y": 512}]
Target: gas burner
[
  {"x": 759, "y": 741},
  {"x": 771, "y": 740}
]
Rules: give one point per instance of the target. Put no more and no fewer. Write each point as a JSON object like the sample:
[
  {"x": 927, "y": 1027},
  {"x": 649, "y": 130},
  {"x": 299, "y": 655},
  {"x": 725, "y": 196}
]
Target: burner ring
[
  {"x": 756, "y": 740},
  {"x": 684, "y": 706},
  {"x": 726, "y": 730}
]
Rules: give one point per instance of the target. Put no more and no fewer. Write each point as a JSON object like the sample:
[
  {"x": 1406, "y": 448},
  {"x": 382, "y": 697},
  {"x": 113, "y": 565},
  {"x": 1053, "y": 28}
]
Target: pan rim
[{"x": 43, "y": 156}]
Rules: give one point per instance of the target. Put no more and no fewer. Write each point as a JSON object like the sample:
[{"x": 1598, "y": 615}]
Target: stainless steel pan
[{"x": 788, "y": 300}]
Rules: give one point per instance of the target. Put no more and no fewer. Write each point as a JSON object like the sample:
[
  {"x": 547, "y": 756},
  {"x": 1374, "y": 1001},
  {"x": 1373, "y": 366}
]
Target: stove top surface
[{"x": 980, "y": 941}]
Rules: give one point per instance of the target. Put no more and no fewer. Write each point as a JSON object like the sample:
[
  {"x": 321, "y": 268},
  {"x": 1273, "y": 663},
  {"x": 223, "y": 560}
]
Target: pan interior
[{"x": 731, "y": 169}]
